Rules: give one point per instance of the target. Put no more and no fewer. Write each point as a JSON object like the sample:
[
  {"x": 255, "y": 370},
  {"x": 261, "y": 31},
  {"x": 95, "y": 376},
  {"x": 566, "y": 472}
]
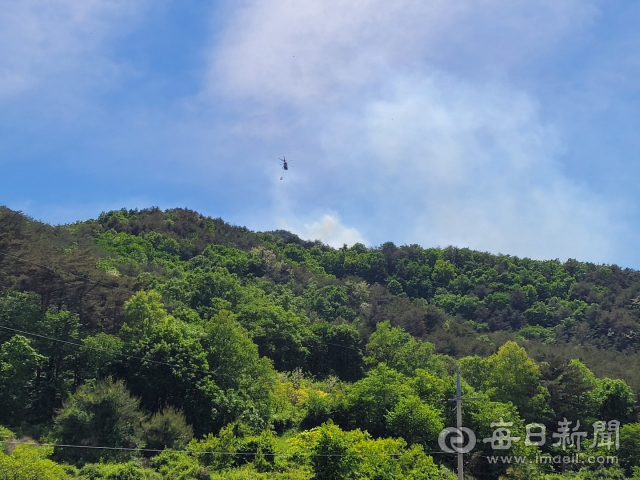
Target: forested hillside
[{"x": 167, "y": 345}]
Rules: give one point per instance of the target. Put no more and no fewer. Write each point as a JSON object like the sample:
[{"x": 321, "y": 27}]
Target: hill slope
[
  {"x": 228, "y": 325},
  {"x": 92, "y": 267}
]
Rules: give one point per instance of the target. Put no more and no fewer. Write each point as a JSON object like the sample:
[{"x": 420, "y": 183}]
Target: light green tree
[
  {"x": 30, "y": 462},
  {"x": 512, "y": 376},
  {"x": 400, "y": 351},
  {"x": 99, "y": 354},
  {"x": 142, "y": 311}
]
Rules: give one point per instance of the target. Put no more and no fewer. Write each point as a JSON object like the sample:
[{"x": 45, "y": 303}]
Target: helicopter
[{"x": 285, "y": 164}]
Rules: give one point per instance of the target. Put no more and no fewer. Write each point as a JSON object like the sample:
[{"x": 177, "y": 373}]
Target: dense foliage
[{"x": 164, "y": 344}]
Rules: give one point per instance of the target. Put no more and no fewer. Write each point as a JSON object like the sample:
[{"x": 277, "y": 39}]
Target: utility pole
[{"x": 459, "y": 399}]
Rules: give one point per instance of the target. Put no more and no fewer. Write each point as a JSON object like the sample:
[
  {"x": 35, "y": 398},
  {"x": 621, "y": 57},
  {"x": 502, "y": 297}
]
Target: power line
[
  {"x": 173, "y": 365},
  {"x": 125, "y": 355},
  {"x": 116, "y": 286},
  {"x": 194, "y": 452},
  {"x": 308, "y": 454}
]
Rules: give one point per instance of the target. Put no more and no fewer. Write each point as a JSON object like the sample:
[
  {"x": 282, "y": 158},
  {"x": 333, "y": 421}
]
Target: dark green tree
[
  {"x": 167, "y": 429},
  {"x": 100, "y": 414},
  {"x": 18, "y": 369},
  {"x": 372, "y": 398},
  {"x": 415, "y": 421},
  {"x": 280, "y": 334},
  {"x": 335, "y": 350},
  {"x": 570, "y": 384}
]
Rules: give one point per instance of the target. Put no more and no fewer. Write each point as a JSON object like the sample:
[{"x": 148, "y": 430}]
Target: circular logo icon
[{"x": 456, "y": 442}]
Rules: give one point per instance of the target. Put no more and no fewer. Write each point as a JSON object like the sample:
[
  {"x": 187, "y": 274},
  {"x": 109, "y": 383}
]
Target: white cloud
[
  {"x": 442, "y": 161},
  {"x": 472, "y": 165},
  {"x": 407, "y": 123},
  {"x": 296, "y": 51},
  {"x": 43, "y": 39},
  {"x": 329, "y": 229}
]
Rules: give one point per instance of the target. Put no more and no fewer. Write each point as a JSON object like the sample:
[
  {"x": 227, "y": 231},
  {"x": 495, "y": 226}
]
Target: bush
[
  {"x": 167, "y": 429},
  {"x": 30, "y": 462},
  {"x": 117, "y": 471},
  {"x": 99, "y": 414}
]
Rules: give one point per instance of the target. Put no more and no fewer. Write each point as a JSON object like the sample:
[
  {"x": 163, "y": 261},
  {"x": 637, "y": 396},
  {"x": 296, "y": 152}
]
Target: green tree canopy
[
  {"x": 19, "y": 362},
  {"x": 415, "y": 421},
  {"x": 99, "y": 414},
  {"x": 372, "y": 398},
  {"x": 280, "y": 334},
  {"x": 399, "y": 350},
  {"x": 31, "y": 462},
  {"x": 514, "y": 377}
]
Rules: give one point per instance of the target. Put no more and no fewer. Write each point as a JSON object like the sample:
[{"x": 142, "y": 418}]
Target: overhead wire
[
  {"x": 541, "y": 464},
  {"x": 119, "y": 354},
  {"x": 115, "y": 286},
  {"x": 208, "y": 372},
  {"x": 125, "y": 355},
  {"x": 91, "y": 347},
  {"x": 202, "y": 452}
]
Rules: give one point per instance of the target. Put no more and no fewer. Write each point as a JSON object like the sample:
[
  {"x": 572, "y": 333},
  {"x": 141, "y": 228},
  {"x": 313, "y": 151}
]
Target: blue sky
[{"x": 509, "y": 127}]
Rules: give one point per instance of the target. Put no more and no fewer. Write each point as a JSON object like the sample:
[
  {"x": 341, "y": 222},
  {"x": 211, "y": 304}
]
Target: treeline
[{"x": 195, "y": 349}]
